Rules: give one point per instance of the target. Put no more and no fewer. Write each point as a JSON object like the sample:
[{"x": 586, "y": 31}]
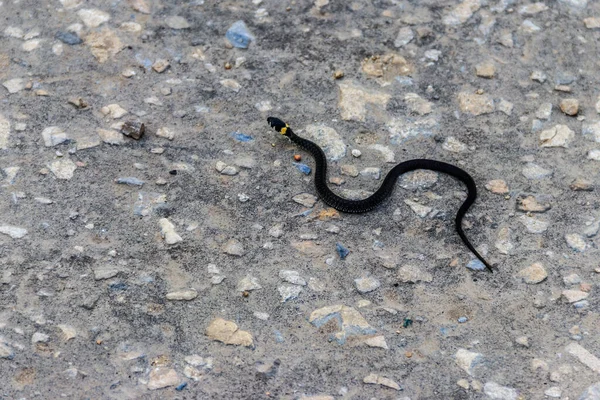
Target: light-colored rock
[
  {"x": 405, "y": 35},
  {"x": 592, "y": 22},
  {"x": 231, "y": 84},
  {"x": 162, "y": 377},
  {"x": 31, "y": 45},
  {"x": 475, "y": 104},
  {"x": 572, "y": 296},
  {"x": 591, "y": 130},
  {"x": 454, "y": 145},
  {"x": 350, "y": 321},
  {"x": 354, "y": 99},
  {"x": 13, "y": 231},
  {"x": 529, "y": 27},
  {"x": 506, "y": 39},
  {"x": 486, "y": 70},
  {"x": 305, "y": 199},
  {"x": 497, "y": 186},
  {"x": 591, "y": 393},
  {"x": 503, "y": 243},
  {"x": 387, "y": 153},
  {"x": 104, "y": 45},
  {"x": 544, "y": 111},
  {"x": 417, "y": 105},
  {"x": 576, "y": 242},
  {"x": 276, "y": 231},
  {"x": 166, "y": 133},
  {"x": 63, "y": 168},
  {"x": 105, "y": 272},
  {"x": 14, "y": 32},
  {"x": 467, "y": 360},
  {"x": 497, "y": 392},
  {"x": 168, "y": 232},
  {"x": 15, "y": 85},
  {"x": 419, "y": 209},
  {"x": 349, "y": 170},
  {"x": 176, "y": 22},
  {"x": 39, "y": 337},
  {"x": 93, "y": 18},
  {"x": 506, "y": 107},
  {"x": 569, "y": 106},
  {"x": 534, "y": 225},
  {"x": 584, "y": 356},
  {"x": 366, "y": 284},
  {"x": 534, "y": 171},
  {"x": 461, "y": 13},
  {"x": 4, "y": 132},
  {"x": 371, "y": 172},
  {"x": 380, "y": 380},
  {"x": 594, "y": 155},
  {"x": 387, "y": 66},
  {"x": 228, "y": 333},
  {"x": 186, "y": 294},
  {"x": 248, "y": 284},
  {"x": 114, "y": 111},
  {"x": 538, "y": 76},
  {"x": 289, "y": 292},
  {"x": 420, "y": 179},
  {"x": 111, "y": 136},
  {"x": 328, "y": 139},
  {"x": 377, "y": 341},
  {"x": 536, "y": 204},
  {"x": 413, "y": 274},
  {"x": 533, "y": 274},
  {"x": 233, "y": 247},
  {"x": 6, "y": 352},
  {"x": 532, "y": 9},
  {"x": 68, "y": 332},
  {"x": 292, "y": 277},
  {"x": 54, "y": 135}
]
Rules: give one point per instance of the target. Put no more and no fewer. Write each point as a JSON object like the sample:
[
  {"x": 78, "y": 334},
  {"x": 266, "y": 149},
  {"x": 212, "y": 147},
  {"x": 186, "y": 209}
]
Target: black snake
[{"x": 386, "y": 188}]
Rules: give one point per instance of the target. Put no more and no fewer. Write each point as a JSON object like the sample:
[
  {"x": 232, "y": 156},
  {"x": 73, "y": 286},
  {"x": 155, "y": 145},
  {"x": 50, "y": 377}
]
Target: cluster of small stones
[{"x": 208, "y": 240}]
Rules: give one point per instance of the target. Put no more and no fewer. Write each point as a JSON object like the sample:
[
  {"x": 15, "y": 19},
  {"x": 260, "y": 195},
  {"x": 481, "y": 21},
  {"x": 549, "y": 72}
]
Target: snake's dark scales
[{"x": 386, "y": 188}]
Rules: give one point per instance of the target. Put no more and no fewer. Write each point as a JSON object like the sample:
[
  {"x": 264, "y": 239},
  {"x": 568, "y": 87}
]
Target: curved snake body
[{"x": 386, "y": 188}]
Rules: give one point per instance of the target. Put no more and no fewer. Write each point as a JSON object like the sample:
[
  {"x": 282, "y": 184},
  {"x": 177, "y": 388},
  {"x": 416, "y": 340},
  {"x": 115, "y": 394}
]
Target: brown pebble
[
  {"x": 245, "y": 293},
  {"x": 338, "y": 74},
  {"x": 133, "y": 129},
  {"x": 408, "y": 354},
  {"x": 569, "y": 106},
  {"x": 297, "y": 157},
  {"x": 227, "y": 65}
]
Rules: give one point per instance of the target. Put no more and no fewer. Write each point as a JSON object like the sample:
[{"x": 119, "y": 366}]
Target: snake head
[{"x": 278, "y": 124}]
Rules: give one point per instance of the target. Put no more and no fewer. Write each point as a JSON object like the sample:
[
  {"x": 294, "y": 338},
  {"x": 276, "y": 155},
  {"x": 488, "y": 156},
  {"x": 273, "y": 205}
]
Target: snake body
[{"x": 386, "y": 188}]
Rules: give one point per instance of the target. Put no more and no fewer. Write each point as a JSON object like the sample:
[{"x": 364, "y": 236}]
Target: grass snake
[{"x": 386, "y": 188}]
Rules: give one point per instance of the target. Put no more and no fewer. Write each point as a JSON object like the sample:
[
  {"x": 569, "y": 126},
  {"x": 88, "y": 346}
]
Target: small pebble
[
  {"x": 569, "y": 106},
  {"x": 342, "y": 251}
]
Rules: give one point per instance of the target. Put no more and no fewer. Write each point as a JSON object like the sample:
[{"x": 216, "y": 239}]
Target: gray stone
[
  {"x": 292, "y": 277},
  {"x": 289, "y": 292},
  {"x": 366, "y": 284},
  {"x": 498, "y": 392},
  {"x": 591, "y": 393},
  {"x": 13, "y": 231},
  {"x": 405, "y": 35},
  {"x": 186, "y": 294},
  {"x": 248, "y": 283},
  {"x": 305, "y": 199},
  {"x": 328, "y": 139},
  {"x": 467, "y": 360},
  {"x": 534, "y": 171}
]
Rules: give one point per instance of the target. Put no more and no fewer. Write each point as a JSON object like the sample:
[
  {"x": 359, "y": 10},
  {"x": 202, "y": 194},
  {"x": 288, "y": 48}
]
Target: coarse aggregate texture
[{"x": 158, "y": 240}]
